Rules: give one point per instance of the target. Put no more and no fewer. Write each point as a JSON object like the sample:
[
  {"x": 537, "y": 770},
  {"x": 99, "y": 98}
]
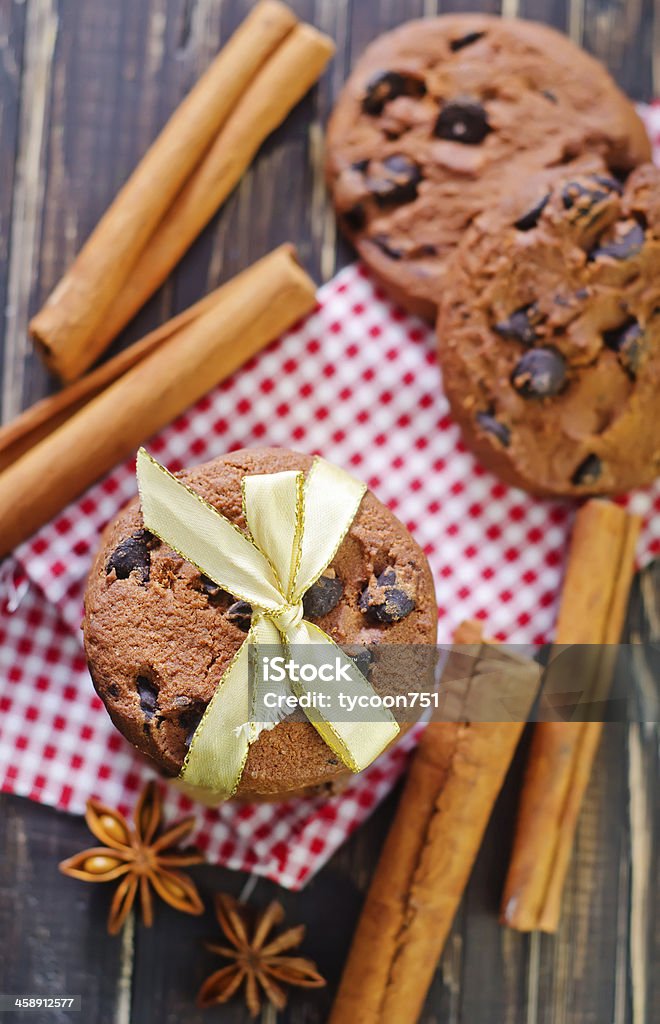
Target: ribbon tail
[
  {"x": 268, "y": 696},
  {"x": 356, "y": 737},
  {"x": 219, "y": 749},
  {"x": 220, "y": 746}
]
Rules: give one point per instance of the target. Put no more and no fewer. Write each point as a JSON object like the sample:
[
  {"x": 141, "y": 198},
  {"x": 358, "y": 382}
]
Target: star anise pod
[
  {"x": 142, "y": 855},
  {"x": 256, "y": 958}
]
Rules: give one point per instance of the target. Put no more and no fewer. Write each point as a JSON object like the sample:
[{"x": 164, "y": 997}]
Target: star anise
[
  {"x": 256, "y": 958},
  {"x": 142, "y": 855}
]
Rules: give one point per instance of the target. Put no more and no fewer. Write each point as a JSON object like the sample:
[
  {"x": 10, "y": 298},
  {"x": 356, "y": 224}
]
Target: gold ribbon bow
[{"x": 295, "y": 527}]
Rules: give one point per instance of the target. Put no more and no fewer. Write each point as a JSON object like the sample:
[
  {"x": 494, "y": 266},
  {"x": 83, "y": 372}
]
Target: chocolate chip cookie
[
  {"x": 159, "y": 635},
  {"x": 439, "y": 113},
  {"x": 549, "y": 333}
]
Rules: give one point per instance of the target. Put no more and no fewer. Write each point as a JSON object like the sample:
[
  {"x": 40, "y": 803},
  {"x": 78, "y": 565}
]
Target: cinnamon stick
[
  {"x": 66, "y": 328},
  {"x": 454, "y": 779},
  {"x": 249, "y": 312},
  {"x": 279, "y": 86},
  {"x": 42, "y": 418},
  {"x": 193, "y": 165},
  {"x": 594, "y": 598}
]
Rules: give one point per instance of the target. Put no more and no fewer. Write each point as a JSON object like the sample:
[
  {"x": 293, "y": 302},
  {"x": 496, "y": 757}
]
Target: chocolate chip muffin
[
  {"x": 159, "y": 636},
  {"x": 439, "y": 113},
  {"x": 549, "y": 334}
]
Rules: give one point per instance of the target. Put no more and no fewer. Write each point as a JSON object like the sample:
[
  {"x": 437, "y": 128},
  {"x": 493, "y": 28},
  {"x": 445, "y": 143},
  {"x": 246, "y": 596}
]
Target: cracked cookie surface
[
  {"x": 159, "y": 636},
  {"x": 434, "y": 118},
  {"x": 549, "y": 333}
]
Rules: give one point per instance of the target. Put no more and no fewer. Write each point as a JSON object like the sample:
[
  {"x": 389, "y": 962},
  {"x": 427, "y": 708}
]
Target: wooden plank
[
  {"x": 109, "y": 98},
  {"x": 495, "y": 960},
  {"x": 265, "y": 209},
  {"x": 554, "y": 12},
  {"x": 577, "y": 978},
  {"x": 449, "y": 6},
  {"x": 53, "y": 929},
  {"x": 643, "y": 777},
  {"x": 620, "y": 33},
  {"x": 12, "y": 35},
  {"x": 40, "y": 30}
]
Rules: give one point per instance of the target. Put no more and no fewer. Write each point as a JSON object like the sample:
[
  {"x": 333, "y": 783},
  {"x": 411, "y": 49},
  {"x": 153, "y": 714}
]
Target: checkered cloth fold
[{"x": 357, "y": 382}]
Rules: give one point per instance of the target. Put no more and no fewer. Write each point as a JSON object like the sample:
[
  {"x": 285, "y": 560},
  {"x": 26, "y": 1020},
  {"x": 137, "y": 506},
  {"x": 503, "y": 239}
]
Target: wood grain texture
[
  {"x": 12, "y": 36},
  {"x": 620, "y": 33},
  {"x": 48, "y": 928},
  {"x": 85, "y": 85},
  {"x": 554, "y": 12},
  {"x": 27, "y": 210},
  {"x": 643, "y": 804}
]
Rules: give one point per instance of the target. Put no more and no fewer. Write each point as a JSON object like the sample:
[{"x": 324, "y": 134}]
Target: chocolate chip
[
  {"x": 540, "y": 373},
  {"x": 361, "y": 166},
  {"x": 398, "y": 182},
  {"x": 623, "y": 248},
  {"x": 383, "y": 243},
  {"x": 355, "y": 219},
  {"x": 362, "y": 657},
  {"x": 190, "y": 719},
  {"x": 588, "y": 472},
  {"x": 113, "y": 690},
  {"x": 627, "y": 342},
  {"x": 530, "y": 219},
  {"x": 388, "y": 85},
  {"x": 388, "y": 602},
  {"x": 322, "y": 597},
  {"x": 216, "y": 596},
  {"x": 466, "y": 40},
  {"x": 132, "y": 555},
  {"x": 520, "y": 326},
  {"x": 574, "y": 194},
  {"x": 580, "y": 197},
  {"x": 210, "y": 587},
  {"x": 463, "y": 121},
  {"x": 493, "y": 426},
  {"x": 148, "y": 693},
  {"x": 240, "y": 615}
]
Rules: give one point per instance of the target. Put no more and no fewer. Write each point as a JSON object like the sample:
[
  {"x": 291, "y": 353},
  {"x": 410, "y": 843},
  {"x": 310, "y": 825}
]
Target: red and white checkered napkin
[{"x": 358, "y": 383}]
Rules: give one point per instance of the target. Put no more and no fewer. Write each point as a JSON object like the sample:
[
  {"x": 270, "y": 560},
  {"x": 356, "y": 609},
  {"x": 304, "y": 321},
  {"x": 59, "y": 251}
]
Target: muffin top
[{"x": 159, "y": 635}]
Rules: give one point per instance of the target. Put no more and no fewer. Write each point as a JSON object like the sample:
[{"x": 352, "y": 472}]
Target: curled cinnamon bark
[
  {"x": 248, "y": 313},
  {"x": 594, "y": 599},
  {"x": 94, "y": 299},
  {"x": 279, "y": 86},
  {"x": 42, "y": 418},
  {"x": 454, "y": 779}
]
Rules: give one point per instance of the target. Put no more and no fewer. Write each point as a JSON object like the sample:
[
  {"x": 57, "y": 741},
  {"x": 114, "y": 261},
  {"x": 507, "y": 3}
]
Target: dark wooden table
[{"x": 84, "y": 87}]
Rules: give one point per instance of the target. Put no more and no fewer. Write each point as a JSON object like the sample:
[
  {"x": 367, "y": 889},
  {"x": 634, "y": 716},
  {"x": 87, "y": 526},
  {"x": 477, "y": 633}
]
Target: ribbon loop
[{"x": 296, "y": 527}]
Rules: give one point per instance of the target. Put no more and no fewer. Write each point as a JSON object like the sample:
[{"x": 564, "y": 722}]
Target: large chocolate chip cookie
[
  {"x": 159, "y": 636},
  {"x": 436, "y": 116},
  {"x": 549, "y": 334}
]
